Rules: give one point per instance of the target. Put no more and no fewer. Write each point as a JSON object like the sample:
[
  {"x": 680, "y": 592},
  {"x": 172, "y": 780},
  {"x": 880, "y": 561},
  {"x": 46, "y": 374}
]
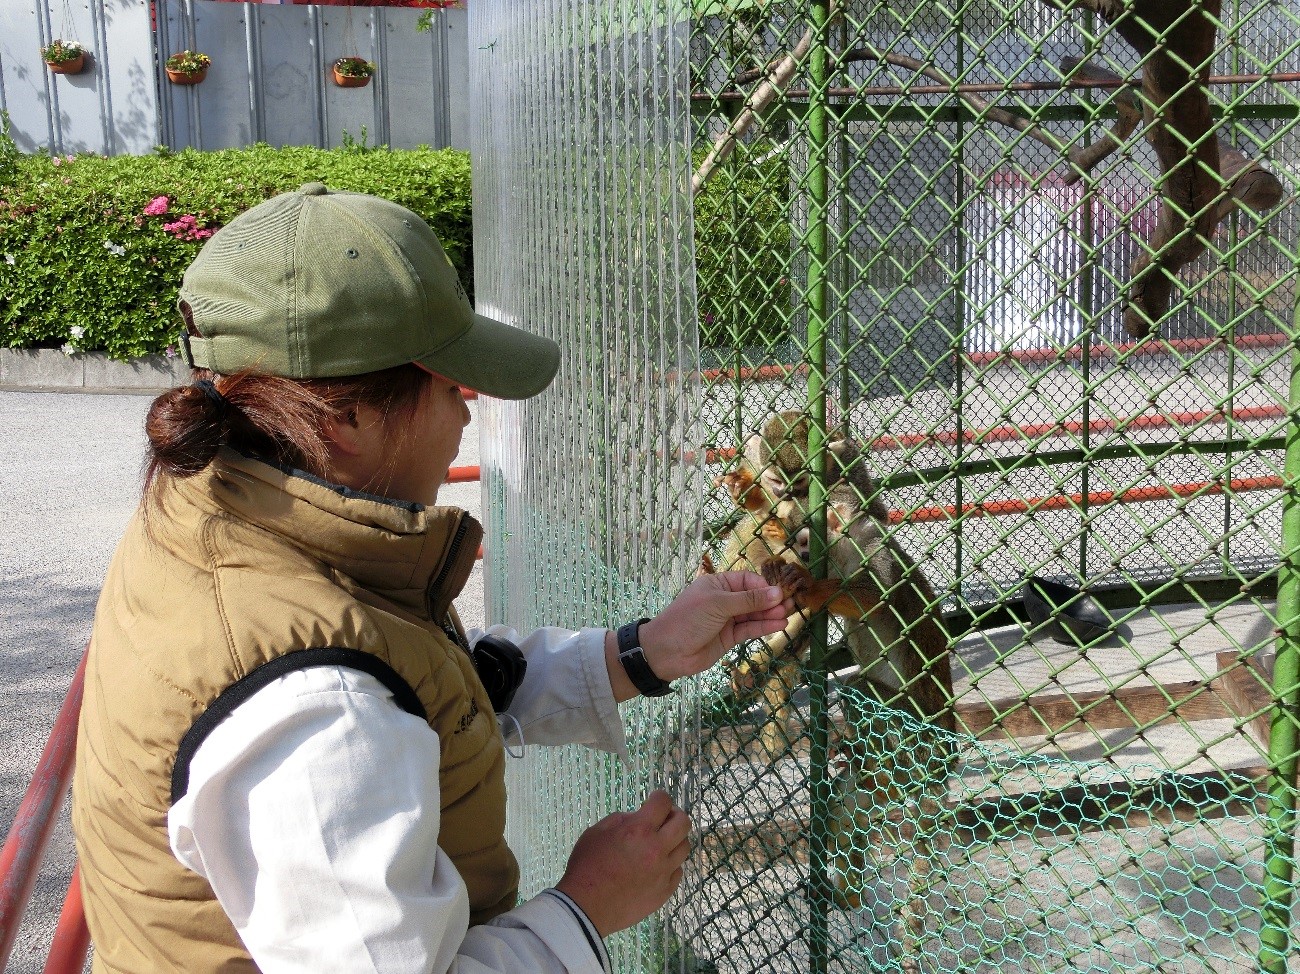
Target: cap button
[{"x": 313, "y": 189}]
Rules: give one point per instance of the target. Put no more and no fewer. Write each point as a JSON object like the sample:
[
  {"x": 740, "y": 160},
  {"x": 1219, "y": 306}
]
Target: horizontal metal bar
[
  {"x": 993, "y": 87},
  {"x": 1059, "y": 458},
  {"x": 951, "y": 114}
]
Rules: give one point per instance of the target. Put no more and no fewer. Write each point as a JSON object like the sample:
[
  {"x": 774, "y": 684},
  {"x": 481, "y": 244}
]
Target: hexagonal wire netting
[{"x": 1017, "y": 282}]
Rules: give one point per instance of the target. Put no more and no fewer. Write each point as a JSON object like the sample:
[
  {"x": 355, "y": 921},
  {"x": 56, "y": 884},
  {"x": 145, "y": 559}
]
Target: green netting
[{"x": 1031, "y": 267}]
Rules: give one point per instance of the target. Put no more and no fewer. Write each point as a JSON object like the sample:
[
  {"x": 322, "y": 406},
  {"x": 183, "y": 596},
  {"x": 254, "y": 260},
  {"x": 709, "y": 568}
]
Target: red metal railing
[{"x": 25, "y": 845}]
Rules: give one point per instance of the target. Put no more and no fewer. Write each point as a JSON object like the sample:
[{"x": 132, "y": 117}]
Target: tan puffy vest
[{"x": 238, "y": 566}]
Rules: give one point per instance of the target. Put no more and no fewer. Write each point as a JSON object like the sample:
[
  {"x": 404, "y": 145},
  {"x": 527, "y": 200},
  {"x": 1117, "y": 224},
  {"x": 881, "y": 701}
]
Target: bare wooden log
[
  {"x": 981, "y": 106},
  {"x": 1084, "y": 159},
  {"x": 777, "y": 80},
  {"x": 1249, "y": 185}
]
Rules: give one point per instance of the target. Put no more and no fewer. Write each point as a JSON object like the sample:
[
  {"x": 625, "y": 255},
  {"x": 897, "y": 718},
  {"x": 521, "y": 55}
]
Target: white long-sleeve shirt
[{"x": 313, "y": 812}]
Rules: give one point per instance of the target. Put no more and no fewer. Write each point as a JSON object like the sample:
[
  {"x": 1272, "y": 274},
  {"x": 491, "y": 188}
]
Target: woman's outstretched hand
[{"x": 709, "y": 617}]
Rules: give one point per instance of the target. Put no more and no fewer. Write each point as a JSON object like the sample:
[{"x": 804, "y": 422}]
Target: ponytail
[{"x": 281, "y": 420}]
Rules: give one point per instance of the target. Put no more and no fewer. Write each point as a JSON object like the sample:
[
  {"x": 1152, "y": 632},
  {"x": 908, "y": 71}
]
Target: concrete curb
[{"x": 51, "y": 370}]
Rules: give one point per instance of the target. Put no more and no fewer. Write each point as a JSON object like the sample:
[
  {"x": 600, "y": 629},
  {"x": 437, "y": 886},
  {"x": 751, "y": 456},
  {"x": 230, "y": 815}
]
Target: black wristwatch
[{"x": 634, "y": 661}]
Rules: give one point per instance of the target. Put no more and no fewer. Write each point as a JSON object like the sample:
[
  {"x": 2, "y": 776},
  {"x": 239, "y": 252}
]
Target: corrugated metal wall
[
  {"x": 268, "y": 81},
  {"x": 111, "y": 107},
  {"x": 269, "y": 78}
]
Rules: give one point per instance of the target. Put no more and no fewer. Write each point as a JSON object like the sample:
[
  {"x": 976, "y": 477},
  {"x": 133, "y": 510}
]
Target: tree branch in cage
[
  {"x": 1176, "y": 42},
  {"x": 1247, "y": 182},
  {"x": 1084, "y": 159},
  {"x": 981, "y": 106},
  {"x": 777, "y": 79}
]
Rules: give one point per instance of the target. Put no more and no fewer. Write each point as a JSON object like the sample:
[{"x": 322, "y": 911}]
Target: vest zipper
[
  {"x": 452, "y": 552},
  {"x": 447, "y": 565}
]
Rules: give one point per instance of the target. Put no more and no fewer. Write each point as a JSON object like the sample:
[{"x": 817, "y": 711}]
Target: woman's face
[{"x": 422, "y": 453}]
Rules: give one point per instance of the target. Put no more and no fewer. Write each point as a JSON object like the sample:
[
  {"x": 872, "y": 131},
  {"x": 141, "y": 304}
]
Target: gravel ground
[{"x": 70, "y": 468}]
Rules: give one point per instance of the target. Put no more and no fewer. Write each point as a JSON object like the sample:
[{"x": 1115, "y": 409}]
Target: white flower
[
  {"x": 76, "y": 331},
  {"x": 68, "y": 349},
  {"x": 117, "y": 250},
  {"x": 9, "y": 259}
]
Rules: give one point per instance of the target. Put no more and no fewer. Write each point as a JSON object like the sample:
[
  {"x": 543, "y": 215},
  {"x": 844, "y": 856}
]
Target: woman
[{"x": 287, "y": 760}]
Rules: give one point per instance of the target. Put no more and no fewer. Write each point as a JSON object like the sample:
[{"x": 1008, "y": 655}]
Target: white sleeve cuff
[
  {"x": 563, "y": 927},
  {"x": 596, "y": 673}
]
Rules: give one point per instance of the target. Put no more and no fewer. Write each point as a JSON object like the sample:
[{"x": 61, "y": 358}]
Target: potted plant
[
  {"x": 187, "y": 67},
  {"x": 352, "y": 72},
  {"x": 64, "y": 57}
]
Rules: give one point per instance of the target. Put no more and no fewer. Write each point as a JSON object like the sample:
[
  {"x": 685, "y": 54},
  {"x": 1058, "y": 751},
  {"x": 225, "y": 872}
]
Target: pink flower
[
  {"x": 187, "y": 228},
  {"x": 157, "y": 206},
  {"x": 69, "y": 158},
  {"x": 57, "y": 161}
]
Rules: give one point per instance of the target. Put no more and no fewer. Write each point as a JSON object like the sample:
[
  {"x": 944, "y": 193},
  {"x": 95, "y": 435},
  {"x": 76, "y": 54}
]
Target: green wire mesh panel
[
  {"x": 582, "y": 233},
  {"x": 1039, "y": 265},
  {"x": 1019, "y": 280}
]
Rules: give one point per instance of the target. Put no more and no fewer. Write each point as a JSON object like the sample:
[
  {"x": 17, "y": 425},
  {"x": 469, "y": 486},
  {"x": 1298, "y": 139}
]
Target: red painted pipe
[
  {"x": 463, "y": 475},
  {"x": 1033, "y": 431},
  {"x": 1148, "y": 346},
  {"x": 71, "y": 936},
  {"x": 24, "y": 847},
  {"x": 1057, "y": 502}
]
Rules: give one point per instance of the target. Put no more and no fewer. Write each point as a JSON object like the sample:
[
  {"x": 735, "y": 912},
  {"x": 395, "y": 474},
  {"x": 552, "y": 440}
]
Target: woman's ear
[{"x": 351, "y": 434}]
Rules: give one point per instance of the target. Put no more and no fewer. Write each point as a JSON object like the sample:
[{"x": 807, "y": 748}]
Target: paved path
[{"x": 70, "y": 469}]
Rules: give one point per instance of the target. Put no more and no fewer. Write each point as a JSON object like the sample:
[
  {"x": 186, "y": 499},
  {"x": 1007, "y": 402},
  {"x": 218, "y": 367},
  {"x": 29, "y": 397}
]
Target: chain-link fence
[{"x": 974, "y": 325}]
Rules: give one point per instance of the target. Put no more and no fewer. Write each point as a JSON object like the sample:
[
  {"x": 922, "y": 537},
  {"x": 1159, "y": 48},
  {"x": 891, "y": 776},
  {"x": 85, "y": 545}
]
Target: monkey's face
[
  {"x": 794, "y": 518},
  {"x": 783, "y": 484}
]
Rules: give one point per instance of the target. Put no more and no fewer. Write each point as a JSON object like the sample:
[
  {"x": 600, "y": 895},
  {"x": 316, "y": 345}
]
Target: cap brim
[{"x": 497, "y": 360}]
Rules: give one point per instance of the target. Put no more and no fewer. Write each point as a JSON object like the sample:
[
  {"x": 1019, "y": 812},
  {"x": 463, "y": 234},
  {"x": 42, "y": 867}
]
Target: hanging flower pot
[
  {"x": 187, "y": 67},
  {"x": 352, "y": 72},
  {"x": 64, "y": 57}
]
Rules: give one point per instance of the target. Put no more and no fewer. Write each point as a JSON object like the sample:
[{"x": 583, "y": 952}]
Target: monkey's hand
[
  {"x": 813, "y": 595},
  {"x": 748, "y": 494},
  {"x": 795, "y": 582}
]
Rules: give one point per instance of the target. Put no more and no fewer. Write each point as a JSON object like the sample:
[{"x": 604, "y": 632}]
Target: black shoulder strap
[{"x": 303, "y": 659}]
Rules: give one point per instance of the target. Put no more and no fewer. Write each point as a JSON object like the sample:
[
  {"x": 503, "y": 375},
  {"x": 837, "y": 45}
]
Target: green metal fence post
[
  {"x": 1284, "y": 742},
  {"x": 819, "y": 159}
]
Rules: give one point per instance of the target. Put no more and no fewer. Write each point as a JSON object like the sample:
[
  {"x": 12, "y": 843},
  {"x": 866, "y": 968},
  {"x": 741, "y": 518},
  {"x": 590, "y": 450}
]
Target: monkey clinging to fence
[
  {"x": 897, "y": 746},
  {"x": 772, "y": 472}
]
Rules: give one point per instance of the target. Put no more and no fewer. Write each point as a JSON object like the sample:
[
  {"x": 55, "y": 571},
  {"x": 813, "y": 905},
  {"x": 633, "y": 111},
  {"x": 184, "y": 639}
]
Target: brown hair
[{"x": 277, "y": 419}]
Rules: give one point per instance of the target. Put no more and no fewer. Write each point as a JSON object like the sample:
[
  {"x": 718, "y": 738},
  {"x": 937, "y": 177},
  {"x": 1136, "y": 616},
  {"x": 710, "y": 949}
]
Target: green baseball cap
[{"x": 321, "y": 283}]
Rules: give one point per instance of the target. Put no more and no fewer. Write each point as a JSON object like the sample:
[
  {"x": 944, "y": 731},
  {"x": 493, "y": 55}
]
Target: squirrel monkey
[
  {"x": 756, "y": 538},
  {"x": 771, "y": 484},
  {"x": 893, "y": 631},
  {"x": 892, "y": 628},
  {"x": 773, "y": 476}
]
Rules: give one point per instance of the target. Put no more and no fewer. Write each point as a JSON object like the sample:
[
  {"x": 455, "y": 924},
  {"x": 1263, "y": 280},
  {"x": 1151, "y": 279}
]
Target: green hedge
[
  {"x": 744, "y": 263},
  {"x": 82, "y": 264}
]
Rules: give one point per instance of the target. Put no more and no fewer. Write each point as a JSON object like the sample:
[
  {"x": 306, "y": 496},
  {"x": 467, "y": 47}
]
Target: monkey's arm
[{"x": 852, "y": 599}]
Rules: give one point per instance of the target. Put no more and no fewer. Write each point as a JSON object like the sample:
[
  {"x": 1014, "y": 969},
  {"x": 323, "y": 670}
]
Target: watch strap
[{"x": 635, "y": 664}]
